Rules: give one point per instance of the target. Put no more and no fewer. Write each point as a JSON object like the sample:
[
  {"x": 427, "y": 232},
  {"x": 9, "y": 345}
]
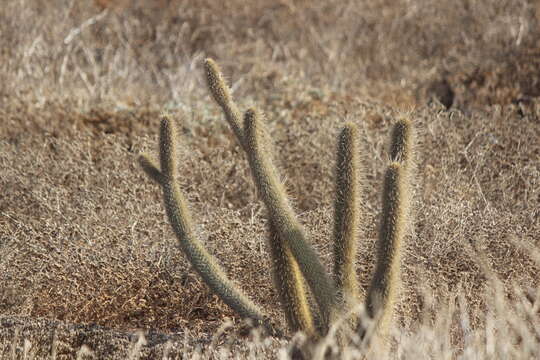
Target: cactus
[{"x": 296, "y": 265}]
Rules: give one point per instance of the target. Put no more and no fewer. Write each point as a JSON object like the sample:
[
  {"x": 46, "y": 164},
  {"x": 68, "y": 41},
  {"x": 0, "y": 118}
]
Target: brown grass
[{"x": 83, "y": 236}]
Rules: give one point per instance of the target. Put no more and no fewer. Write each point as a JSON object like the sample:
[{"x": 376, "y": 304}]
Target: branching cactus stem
[
  {"x": 181, "y": 221},
  {"x": 291, "y": 284},
  {"x": 296, "y": 264}
]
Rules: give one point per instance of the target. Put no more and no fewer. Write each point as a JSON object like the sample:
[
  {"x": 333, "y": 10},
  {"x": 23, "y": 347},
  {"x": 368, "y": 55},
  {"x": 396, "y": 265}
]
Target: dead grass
[{"x": 83, "y": 236}]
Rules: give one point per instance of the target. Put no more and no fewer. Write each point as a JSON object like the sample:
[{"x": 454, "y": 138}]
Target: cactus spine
[{"x": 295, "y": 261}]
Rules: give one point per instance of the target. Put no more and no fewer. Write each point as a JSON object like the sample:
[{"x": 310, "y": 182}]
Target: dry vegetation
[{"x": 83, "y": 235}]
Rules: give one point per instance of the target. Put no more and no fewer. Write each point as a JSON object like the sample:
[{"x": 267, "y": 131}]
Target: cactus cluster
[{"x": 296, "y": 265}]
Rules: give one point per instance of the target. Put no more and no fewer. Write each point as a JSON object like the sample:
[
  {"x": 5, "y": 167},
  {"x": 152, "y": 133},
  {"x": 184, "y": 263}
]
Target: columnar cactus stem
[
  {"x": 347, "y": 214},
  {"x": 222, "y": 95},
  {"x": 402, "y": 142},
  {"x": 286, "y": 270},
  {"x": 181, "y": 221},
  {"x": 386, "y": 281},
  {"x": 291, "y": 286},
  {"x": 284, "y": 220}
]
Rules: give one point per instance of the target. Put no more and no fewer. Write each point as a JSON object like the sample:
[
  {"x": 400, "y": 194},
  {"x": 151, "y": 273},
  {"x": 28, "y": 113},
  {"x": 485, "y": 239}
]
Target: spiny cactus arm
[
  {"x": 402, "y": 142},
  {"x": 180, "y": 218},
  {"x": 291, "y": 286},
  {"x": 347, "y": 214},
  {"x": 386, "y": 281},
  {"x": 284, "y": 220},
  {"x": 288, "y": 278},
  {"x": 222, "y": 95}
]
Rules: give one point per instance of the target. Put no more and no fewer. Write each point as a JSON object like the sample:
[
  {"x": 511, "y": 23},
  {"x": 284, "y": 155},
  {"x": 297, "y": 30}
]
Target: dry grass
[{"x": 83, "y": 236}]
